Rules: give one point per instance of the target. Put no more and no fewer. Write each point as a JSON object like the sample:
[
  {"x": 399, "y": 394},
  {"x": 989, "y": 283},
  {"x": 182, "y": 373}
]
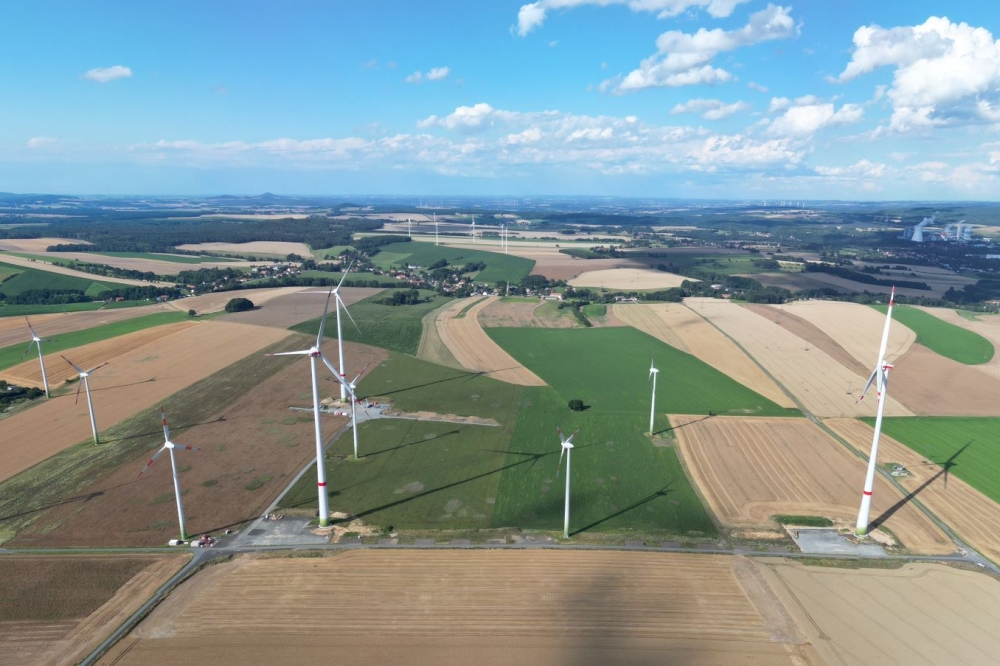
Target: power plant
[{"x": 954, "y": 232}]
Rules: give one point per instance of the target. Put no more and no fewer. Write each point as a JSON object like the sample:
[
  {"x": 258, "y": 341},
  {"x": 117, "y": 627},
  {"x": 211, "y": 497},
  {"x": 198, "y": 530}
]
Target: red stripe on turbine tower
[
  {"x": 321, "y": 484},
  {"x": 867, "y": 492}
]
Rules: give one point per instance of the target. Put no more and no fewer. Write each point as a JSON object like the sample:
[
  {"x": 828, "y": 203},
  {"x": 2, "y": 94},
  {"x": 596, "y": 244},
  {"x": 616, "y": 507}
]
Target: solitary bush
[
  {"x": 191, "y": 313},
  {"x": 576, "y": 405},
  {"x": 239, "y": 305}
]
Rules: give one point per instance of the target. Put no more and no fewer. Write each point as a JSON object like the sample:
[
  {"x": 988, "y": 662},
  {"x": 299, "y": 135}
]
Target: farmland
[
  {"x": 607, "y": 369},
  {"x": 57, "y": 609},
  {"x": 939, "y": 336},
  {"x": 396, "y": 328},
  {"x": 752, "y": 469},
  {"x": 629, "y": 279},
  {"x": 972, "y": 445},
  {"x": 133, "y": 382},
  {"x": 499, "y": 267},
  {"x": 10, "y": 356},
  {"x": 446, "y": 607},
  {"x": 31, "y": 278}
]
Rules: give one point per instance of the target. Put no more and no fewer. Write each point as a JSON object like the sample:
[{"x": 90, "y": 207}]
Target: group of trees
[
  {"x": 10, "y": 394},
  {"x": 402, "y": 297}
]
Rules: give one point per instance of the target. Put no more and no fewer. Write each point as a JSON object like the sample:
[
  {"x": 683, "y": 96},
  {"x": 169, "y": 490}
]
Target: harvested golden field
[
  {"x": 473, "y": 607},
  {"x": 629, "y": 278},
  {"x": 14, "y": 331},
  {"x": 917, "y": 615},
  {"x": 43, "y": 266},
  {"x": 750, "y": 469},
  {"x": 432, "y": 348},
  {"x": 475, "y": 350},
  {"x": 35, "y": 245},
  {"x": 824, "y": 386},
  {"x": 974, "y": 517},
  {"x": 29, "y": 373},
  {"x": 285, "y": 309},
  {"x": 270, "y": 248},
  {"x": 134, "y": 381},
  {"x": 682, "y": 328},
  {"x": 60, "y": 608},
  {"x": 533, "y": 313},
  {"x": 216, "y": 301},
  {"x": 158, "y": 266},
  {"x": 854, "y": 327}
]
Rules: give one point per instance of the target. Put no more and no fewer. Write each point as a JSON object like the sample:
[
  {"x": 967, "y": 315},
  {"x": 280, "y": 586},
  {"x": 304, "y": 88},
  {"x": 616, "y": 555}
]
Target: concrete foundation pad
[
  {"x": 289, "y": 531},
  {"x": 826, "y": 540}
]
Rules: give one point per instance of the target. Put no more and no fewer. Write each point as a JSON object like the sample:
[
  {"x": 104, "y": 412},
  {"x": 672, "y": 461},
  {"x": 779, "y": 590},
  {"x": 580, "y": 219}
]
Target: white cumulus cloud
[
  {"x": 105, "y": 74},
  {"x": 41, "y": 141},
  {"x": 807, "y": 115},
  {"x": 684, "y": 58},
  {"x": 710, "y": 109},
  {"x": 532, "y": 15},
  {"x": 944, "y": 73},
  {"x": 435, "y": 74}
]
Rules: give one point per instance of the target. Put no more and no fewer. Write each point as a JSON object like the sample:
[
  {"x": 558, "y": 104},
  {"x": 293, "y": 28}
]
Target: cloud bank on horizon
[{"x": 713, "y": 98}]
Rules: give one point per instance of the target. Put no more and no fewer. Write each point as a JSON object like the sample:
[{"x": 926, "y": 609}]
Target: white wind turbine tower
[
  {"x": 881, "y": 378},
  {"x": 653, "y": 371},
  {"x": 473, "y": 229},
  {"x": 313, "y": 353},
  {"x": 340, "y": 338},
  {"x": 170, "y": 446},
  {"x": 85, "y": 383},
  {"x": 435, "y": 228},
  {"x": 409, "y": 228},
  {"x": 35, "y": 340},
  {"x": 354, "y": 399},
  {"x": 567, "y": 448}
]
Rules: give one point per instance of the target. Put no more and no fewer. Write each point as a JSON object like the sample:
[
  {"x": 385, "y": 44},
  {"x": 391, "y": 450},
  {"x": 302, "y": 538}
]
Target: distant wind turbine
[
  {"x": 653, "y": 371},
  {"x": 881, "y": 378},
  {"x": 339, "y": 303},
  {"x": 170, "y": 446},
  {"x": 567, "y": 448},
  {"x": 84, "y": 377},
  {"x": 35, "y": 340},
  {"x": 409, "y": 228},
  {"x": 435, "y": 228},
  {"x": 473, "y": 229}
]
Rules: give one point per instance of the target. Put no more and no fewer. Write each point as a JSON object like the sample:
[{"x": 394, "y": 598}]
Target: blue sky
[{"x": 824, "y": 99}]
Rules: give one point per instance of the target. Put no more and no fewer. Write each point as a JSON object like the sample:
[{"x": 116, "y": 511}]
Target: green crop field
[
  {"x": 620, "y": 481},
  {"x": 31, "y": 278},
  {"x": 397, "y": 328},
  {"x": 942, "y": 337},
  {"x": 499, "y": 267},
  {"x": 972, "y": 444},
  {"x": 7, "y": 271},
  {"x": 607, "y": 368},
  {"x": 322, "y": 253},
  {"x": 22, "y": 310},
  {"x": 428, "y": 475},
  {"x": 595, "y": 310},
  {"x": 10, "y": 356}
]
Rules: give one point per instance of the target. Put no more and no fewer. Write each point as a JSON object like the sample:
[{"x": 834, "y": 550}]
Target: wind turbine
[
  {"x": 313, "y": 353},
  {"x": 473, "y": 229},
  {"x": 653, "y": 371},
  {"x": 567, "y": 447},
  {"x": 170, "y": 446},
  {"x": 409, "y": 228},
  {"x": 340, "y": 338},
  {"x": 354, "y": 400},
  {"x": 85, "y": 383},
  {"x": 880, "y": 375},
  {"x": 435, "y": 228},
  {"x": 35, "y": 340}
]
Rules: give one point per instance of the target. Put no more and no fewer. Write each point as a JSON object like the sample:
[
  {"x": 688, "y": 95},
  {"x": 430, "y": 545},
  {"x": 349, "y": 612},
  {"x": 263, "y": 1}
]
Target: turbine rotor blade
[
  {"x": 867, "y": 386},
  {"x": 348, "y": 313},
  {"x": 344, "y": 276},
  {"x": 166, "y": 428},
  {"x": 33, "y": 334},
  {"x": 570, "y": 440},
  {"x": 336, "y": 374},
  {"x": 26, "y": 350},
  {"x": 79, "y": 386},
  {"x": 322, "y": 321},
  {"x": 559, "y": 466},
  {"x": 152, "y": 460},
  {"x": 294, "y": 353},
  {"x": 75, "y": 367},
  {"x": 98, "y": 367}
]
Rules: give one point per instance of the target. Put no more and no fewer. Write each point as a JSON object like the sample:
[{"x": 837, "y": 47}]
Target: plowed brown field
[
  {"x": 932, "y": 385},
  {"x": 134, "y": 381},
  {"x": 68, "y": 641},
  {"x": 270, "y": 248},
  {"x": 918, "y": 615},
  {"x": 29, "y": 373},
  {"x": 523, "y": 314},
  {"x": 973, "y": 516},
  {"x": 287, "y": 309},
  {"x": 487, "y": 607},
  {"x": 158, "y": 266},
  {"x": 216, "y": 301},
  {"x": 750, "y": 469},
  {"x": 42, "y": 266},
  {"x": 824, "y": 386},
  {"x": 33, "y": 245},
  {"x": 475, "y": 350},
  {"x": 679, "y": 327}
]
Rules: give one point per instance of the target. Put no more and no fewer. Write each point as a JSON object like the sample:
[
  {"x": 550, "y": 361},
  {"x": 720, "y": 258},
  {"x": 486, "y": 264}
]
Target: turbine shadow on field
[
  {"x": 174, "y": 429},
  {"x": 465, "y": 375},
  {"x": 662, "y": 492},
  {"x": 945, "y": 468},
  {"x": 425, "y": 493},
  {"x": 684, "y": 425},
  {"x": 418, "y": 441},
  {"x": 117, "y": 386},
  {"x": 86, "y": 497}
]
